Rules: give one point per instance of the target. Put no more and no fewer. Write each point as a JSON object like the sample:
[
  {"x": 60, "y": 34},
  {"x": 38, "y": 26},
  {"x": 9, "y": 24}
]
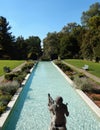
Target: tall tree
[
  {"x": 51, "y": 45},
  {"x": 69, "y": 42},
  {"x": 91, "y": 41},
  {"x": 69, "y": 27},
  {"x": 33, "y": 47},
  {"x": 21, "y": 48},
  {"x": 94, "y": 10},
  {"x": 6, "y": 38}
]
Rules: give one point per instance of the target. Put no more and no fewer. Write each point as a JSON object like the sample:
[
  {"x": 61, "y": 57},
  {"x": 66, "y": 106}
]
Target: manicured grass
[
  {"x": 9, "y": 63},
  {"x": 94, "y": 68}
]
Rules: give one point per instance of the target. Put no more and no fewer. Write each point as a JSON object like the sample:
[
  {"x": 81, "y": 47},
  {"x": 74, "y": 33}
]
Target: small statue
[{"x": 58, "y": 111}]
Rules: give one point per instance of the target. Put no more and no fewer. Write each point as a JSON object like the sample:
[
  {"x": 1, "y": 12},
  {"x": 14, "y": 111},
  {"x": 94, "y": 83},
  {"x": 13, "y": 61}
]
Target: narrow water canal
[{"x": 31, "y": 110}]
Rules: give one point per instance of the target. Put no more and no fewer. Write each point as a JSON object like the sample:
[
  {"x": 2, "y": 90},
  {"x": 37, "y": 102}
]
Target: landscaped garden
[
  {"x": 9, "y": 63},
  {"x": 74, "y": 41},
  {"x": 86, "y": 84},
  {"x": 94, "y": 68},
  {"x": 12, "y": 81}
]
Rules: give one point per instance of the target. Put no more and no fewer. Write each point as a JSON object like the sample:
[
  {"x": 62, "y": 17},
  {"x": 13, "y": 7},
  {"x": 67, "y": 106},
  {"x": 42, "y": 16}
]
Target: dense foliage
[
  {"x": 19, "y": 48},
  {"x": 76, "y": 41},
  {"x": 6, "y": 39},
  {"x": 73, "y": 41},
  {"x": 12, "y": 82}
]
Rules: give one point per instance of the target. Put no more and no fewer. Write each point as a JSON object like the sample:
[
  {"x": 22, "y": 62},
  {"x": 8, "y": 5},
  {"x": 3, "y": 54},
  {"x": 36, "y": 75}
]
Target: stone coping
[
  {"x": 90, "y": 103},
  {"x": 10, "y": 105}
]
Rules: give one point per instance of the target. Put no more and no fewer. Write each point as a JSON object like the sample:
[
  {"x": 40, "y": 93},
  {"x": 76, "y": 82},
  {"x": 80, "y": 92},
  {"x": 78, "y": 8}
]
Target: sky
[{"x": 38, "y": 17}]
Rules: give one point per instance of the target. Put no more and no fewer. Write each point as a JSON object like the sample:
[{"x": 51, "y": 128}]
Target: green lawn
[
  {"x": 94, "y": 68},
  {"x": 9, "y": 63}
]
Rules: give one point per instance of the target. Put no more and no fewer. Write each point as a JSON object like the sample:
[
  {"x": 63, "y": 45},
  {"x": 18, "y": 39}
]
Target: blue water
[{"x": 31, "y": 110}]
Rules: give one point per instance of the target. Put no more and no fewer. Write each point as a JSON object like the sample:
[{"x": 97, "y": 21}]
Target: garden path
[{"x": 93, "y": 77}]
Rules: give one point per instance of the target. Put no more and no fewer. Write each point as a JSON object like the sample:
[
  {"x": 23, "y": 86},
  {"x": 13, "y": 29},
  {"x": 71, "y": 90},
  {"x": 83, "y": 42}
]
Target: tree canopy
[
  {"x": 73, "y": 41},
  {"x": 6, "y": 38},
  {"x": 77, "y": 41},
  {"x": 94, "y": 10},
  {"x": 19, "y": 48}
]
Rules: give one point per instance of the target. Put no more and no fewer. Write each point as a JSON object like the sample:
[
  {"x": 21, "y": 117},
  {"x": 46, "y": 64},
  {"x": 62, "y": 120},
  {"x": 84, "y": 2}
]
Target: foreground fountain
[{"x": 58, "y": 110}]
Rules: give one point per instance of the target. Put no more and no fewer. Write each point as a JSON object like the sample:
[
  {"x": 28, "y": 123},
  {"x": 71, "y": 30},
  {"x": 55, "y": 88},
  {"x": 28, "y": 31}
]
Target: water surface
[{"x": 31, "y": 110}]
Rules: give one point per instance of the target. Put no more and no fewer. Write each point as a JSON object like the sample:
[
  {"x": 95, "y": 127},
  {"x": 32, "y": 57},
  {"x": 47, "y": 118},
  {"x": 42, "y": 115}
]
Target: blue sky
[{"x": 38, "y": 17}]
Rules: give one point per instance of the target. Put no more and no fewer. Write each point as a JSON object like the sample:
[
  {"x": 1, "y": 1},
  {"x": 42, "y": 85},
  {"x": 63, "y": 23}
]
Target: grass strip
[
  {"x": 94, "y": 68},
  {"x": 9, "y": 63}
]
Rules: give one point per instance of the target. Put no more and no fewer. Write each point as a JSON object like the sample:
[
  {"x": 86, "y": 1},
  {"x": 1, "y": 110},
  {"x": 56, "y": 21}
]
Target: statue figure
[{"x": 58, "y": 111}]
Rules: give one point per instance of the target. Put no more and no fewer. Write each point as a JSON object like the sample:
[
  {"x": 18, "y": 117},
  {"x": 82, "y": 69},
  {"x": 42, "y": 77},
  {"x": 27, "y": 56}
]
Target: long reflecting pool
[{"x": 31, "y": 110}]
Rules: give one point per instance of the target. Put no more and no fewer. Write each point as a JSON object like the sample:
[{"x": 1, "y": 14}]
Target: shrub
[
  {"x": 86, "y": 86},
  {"x": 63, "y": 66},
  {"x": 81, "y": 75},
  {"x": 10, "y": 76},
  {"x": 4, "y": 99},
  {"x": 19, "y": 78},
  {"x": 30, "y": 64},
  {"x": 9, "y": 87},
  {"x": 77, "y": 81},
  {"x": 2, "y": 108},
  {"x": 3, "y": 103},
  {"x": 6, "y": 69},
  {"x": 45, "y": 58},
  {"x": 27, "y": 67},
  {"x": 83, "y": 84}
]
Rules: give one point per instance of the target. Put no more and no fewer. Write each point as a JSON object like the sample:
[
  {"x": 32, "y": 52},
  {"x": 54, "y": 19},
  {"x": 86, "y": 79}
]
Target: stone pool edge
[
  {"x": 11, "y": 104},
  {"x": 89, "y": 102}
]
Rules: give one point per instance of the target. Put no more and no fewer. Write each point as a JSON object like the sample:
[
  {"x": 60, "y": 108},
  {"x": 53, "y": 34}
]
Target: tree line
[
  {"x": 17, "y": 48},
  {"x": 75, "y": 40}
]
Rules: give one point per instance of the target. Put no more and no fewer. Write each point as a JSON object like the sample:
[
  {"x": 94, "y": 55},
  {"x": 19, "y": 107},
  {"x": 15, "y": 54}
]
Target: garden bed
[
  {"x": 11, "y": 83},
  {"x": 87, "y": 85}
]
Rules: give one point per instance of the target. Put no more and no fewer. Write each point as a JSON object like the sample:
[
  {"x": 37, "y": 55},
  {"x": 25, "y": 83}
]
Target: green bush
[
  {"x": 6, "y": 69},
  {"x": 19, "y": 78},
  {"x": 83, "y": 84},
  {"x": 24, "y": 68},
  {"x": 27, "y": 67},
  {"x": 63, "y": 66},
  {"x": 86, "y": 86},
  {"x": 2, "y": 108},
  {"x": 10, "y": 76},
  {"x": 78, "y": 82},
  {"x": 9, "y": 87},
  {"x": 81, "y": 75},
  {"x": 4, "y": 99},
  {"x": 30, "y": 64}
]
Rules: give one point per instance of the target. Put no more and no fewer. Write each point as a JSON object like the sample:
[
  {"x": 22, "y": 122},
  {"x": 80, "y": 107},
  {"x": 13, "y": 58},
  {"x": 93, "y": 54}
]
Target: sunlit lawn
[
  {"x": 9, "y": 63},
  {"x": 94, "y": 68}
]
